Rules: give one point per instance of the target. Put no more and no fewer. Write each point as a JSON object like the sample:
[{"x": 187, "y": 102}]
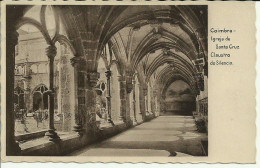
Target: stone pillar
[
  {"x": 27, "y": 93},
  {"x": 138, "y": 101},
  {"x": 51, "y": 52},
  {"x": 149, "y": 100},
  {"x": 27, "y": 68},
  {"x": 108, "y": 75},
  {"x": 122, "y": 84},
  {"x": 142, "y": 101},
  {"x": 134, "y": 101},
  {"x": 79, "y": 88},
  {"x": 90, "y": 94},
  {"x": 203, "y": 47},
  {"x": 129, "y": 88},
  {"x": 66, "y": 90},
  {"x": 12, "y": 147},
  {"x": 156, "y": 103},
  {"x": 146, "y": 100},
  {"x": 139, "y": 97}
]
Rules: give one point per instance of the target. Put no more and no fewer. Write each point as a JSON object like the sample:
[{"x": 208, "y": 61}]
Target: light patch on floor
[{"x": 164, "y": 136}]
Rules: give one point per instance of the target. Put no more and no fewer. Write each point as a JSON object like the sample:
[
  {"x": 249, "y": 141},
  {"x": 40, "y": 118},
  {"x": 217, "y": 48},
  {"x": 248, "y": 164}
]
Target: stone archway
[{"x": 179, "y": 99}]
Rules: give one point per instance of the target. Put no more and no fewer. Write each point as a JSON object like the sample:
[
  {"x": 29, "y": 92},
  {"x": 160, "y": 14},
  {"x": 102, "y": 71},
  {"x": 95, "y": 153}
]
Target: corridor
[
  {"x": 162, "y": 136},
  {"x": 83, "y": 74}
]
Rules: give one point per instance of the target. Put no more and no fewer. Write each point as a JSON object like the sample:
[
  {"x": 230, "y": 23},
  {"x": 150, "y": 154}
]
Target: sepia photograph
[{"x": 106, "y": 80}]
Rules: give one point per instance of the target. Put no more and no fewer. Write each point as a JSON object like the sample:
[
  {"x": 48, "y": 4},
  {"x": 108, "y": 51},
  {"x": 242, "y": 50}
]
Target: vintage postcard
[{"x": 165, "y": 82}]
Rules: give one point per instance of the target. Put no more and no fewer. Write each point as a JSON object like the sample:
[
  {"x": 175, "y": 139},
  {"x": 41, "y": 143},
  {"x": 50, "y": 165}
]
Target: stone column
[
  {"x": 79, "y": 88},
  {"x": 142, "y": 101},
  {"x": 146, "y": 101},
  {"x": 51, "y": 52},
  {"x": 139, "y": 99},
  {"x": 27, "y": 92},
  {"x": 66, "y": 90},
  {"x": 129, "y": 88},
  {"x": 203, "y": 47},
  {"x": 12, "y": 147},
  {"x": 156, "y": 103},
  {"x": 153, "y": 101},
  {"x": 90, "y": 103},
  {"x": 122, "y": 84},
  {"x": 134, "y": 101},
  {"x": 108, "y": 75},
  {"x": 149, "y": 100}
]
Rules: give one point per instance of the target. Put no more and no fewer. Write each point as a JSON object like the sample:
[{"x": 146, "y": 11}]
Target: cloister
[{"x": 79, "y": 74}]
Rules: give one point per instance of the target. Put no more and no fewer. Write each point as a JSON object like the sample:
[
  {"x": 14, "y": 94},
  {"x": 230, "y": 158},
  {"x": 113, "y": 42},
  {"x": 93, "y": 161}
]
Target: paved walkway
[{"x": 163, "y": 136}]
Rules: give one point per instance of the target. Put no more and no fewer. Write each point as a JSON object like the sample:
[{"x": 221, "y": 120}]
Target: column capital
[
  {"x": 121, "y": 78},
  {"x": 93, "y": 78},
  {"x": 155, "y": 92},
  {"x": 200, "y": 32},
  {"x": 201, "y": 84},
  {"x": 145, "y": 90},
  {"x": 129, "y": 84},
  {"x": 108, "y": 73},
  {"x": 51, "y": 51},
  {"x": 78, "y": 61},
  {"x": 129, "y": 87}
]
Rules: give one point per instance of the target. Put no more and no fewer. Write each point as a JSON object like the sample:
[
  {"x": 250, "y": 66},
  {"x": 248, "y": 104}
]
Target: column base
[
  {"x": 135, "y": 122},
  {"x": 121, "y": 118},
  {"x": 78, "y": 129},
  {"x": 111, "y": 122},
  {"x": 52, "y": 135}
]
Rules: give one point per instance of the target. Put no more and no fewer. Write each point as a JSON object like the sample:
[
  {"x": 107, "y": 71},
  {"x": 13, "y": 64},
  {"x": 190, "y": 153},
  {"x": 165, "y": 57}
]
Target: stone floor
[{"x": 163, "y": 136}]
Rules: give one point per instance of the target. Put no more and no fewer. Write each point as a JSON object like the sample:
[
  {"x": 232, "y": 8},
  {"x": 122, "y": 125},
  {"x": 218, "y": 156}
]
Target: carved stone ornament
[
  {"x": 205, "y": 68},
  {"x": 145, "y": 91},
  {"x": 200, "y": 32},
  {"x": 157, "y": 35},
  {"x": 201, "y": 84},
  {"x": 77, "y": 62},
  {"x": 121, "y": 78},
  {"x": 166, "y": 51},
  {"x": 129, "y": 87},
  {"x": 93, "y": 78},
  {"x": 155, "y": 93},
  {"x": 108, "y": 74},
  {"x": 51, "y": 51},
  {"x": 136, "y": 27}
]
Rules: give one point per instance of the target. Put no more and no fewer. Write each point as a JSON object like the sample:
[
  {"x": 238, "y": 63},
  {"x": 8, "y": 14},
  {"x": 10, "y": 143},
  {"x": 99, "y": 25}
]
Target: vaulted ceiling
[{"x": 164, "y": 42}]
